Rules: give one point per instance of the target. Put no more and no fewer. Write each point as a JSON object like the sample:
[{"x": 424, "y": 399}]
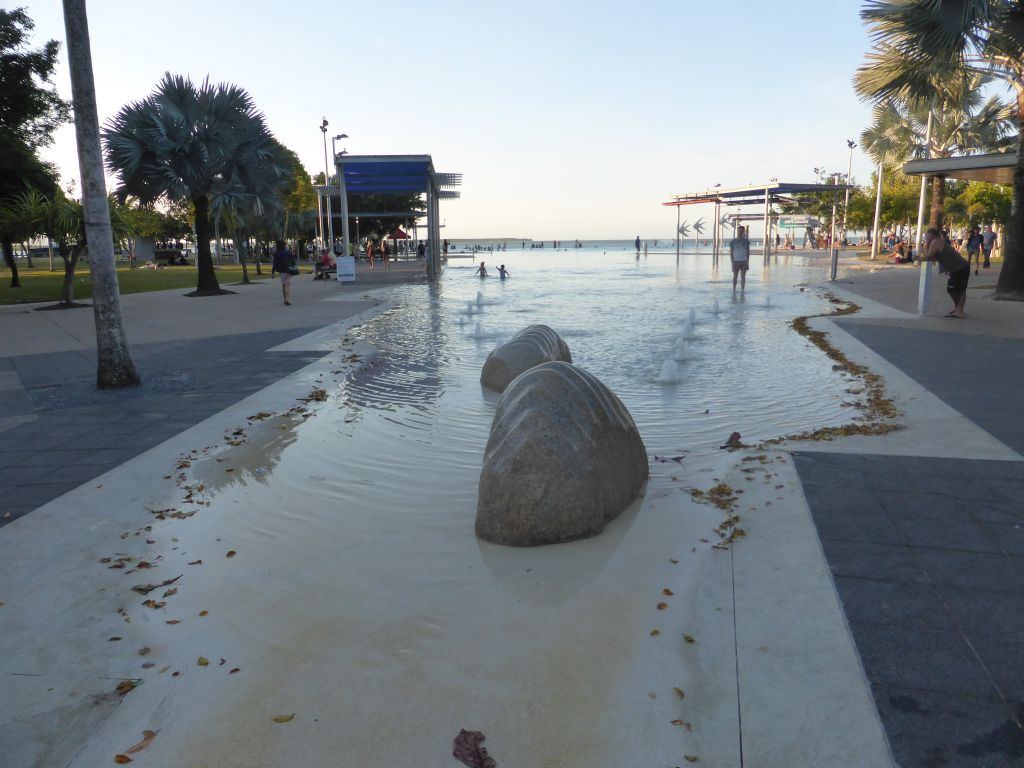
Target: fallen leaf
[
  {"x": 145, "y": 589},
  {"x": 125, "y": 686},
  {"x": 689, "y": 639},
  {"x": 662, "y": 606},
  {"x": 113, "y": 639},
  {"x": 144, "y": 651},
  {"x": 175, "y": 673},
  {"x": 667, "y": 592},
  {"x": 162, "y": 670},
  {"x": 236, "y": 669},
  {"x": 231, "y": 553},
  {"x": 203, "y": 661},
  {"x": 173, "y": 621},
  {"x": 170, "y": 592},
  {"x": 691, "y": 758},
  {"x": 467, "y": 749},
  {"x": 148, "y": 665},
  {"x": 196, "y": 562},
  {"x": 673, "y": 561},
  {"x": 122, "y": 759},
  {"x": 283, "y": 718},
  {"x": 683, "y": 723},
  {"x": 147, "y": 739},
  {"x": 655, "y": 632},
  {"x": 222, "y": 662},
  {"x": 153, "y": 604},
  {"x": 204, "y": 613},
  {"x": 679, "y": 693}
]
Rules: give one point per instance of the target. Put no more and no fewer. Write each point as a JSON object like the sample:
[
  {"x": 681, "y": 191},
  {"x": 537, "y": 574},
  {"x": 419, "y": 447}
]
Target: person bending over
[{"x": 951, "y": 263}]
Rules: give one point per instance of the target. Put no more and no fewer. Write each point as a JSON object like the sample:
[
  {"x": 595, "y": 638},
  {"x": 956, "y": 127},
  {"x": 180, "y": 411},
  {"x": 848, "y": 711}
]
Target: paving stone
[
  {"x": 911, "y": 657},
  {"x": 895, "y": 603},
  {"x": 928, "y": 729},
  {"x": 871, "y": 560},
  {"x": 986, "y": 612}
]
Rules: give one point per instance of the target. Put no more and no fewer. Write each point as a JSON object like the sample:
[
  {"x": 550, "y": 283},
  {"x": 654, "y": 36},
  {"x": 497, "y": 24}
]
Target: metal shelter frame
[
  {"x": 996, "y": 167},
  {"x": 396, "y": 174},
  {"x": 758, "y": 194}
]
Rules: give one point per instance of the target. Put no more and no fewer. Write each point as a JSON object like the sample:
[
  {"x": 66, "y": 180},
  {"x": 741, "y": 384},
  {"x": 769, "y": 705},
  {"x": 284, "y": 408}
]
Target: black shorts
[{"x": 957, "y": 282}]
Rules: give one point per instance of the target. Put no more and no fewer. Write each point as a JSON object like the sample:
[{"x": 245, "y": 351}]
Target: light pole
[
  {"x": 832, "y": 243},
  {"x": 327, "y": 184},
  {"x": 849, "y": 169},
  {"x": 342, "y": 196},
  {"x": 358, "y": 241}
]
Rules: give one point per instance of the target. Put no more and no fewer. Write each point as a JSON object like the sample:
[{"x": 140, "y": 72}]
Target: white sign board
[{"x": 346, "y": 269}]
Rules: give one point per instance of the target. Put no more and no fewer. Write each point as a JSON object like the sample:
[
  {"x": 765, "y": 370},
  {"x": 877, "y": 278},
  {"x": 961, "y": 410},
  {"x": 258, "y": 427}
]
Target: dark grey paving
[
  {"x": 966, "y": 371},
  {"x": 926, "y": 556},
  {"x": 80, "y": 432}
]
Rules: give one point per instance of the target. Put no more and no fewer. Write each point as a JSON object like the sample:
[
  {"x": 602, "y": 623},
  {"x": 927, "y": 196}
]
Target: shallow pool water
[{"x": 360, "y": 594}]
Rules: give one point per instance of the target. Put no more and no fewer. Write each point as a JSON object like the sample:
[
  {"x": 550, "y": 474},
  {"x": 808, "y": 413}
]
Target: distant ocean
[{"x": 688, "y": 244}]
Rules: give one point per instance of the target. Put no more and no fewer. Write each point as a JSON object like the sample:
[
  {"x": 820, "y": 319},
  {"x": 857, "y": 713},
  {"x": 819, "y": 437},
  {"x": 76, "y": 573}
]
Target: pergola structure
[
  {"x": 759, "y": 194},
  {"x": 396, "y": 174},
  {"x": 996, "y": 168}
]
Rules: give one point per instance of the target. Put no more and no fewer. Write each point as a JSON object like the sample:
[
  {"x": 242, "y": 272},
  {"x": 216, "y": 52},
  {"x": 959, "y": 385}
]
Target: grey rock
[
  {"x": 532, "y": 346},
  {"x": 564, "y": 458}
]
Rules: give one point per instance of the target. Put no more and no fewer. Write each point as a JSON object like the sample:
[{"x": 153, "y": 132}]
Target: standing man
[
  {"x": 739, "y": 255},
  {"x": 637, "y": 243},
  {"x": 988, "y": 242},
  {"x": 284, "y": 265},
  {"x": 952, "y": 263},
  {"x": 974, "y": 241}
]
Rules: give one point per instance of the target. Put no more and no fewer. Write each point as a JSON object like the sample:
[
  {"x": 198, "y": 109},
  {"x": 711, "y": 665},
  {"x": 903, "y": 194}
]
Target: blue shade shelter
[{"x": 397, "y": 174}]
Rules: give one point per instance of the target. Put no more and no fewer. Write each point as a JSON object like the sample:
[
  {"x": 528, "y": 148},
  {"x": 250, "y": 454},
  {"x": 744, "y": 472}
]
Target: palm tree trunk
[
  {"x": 115, "y": 367},
  {"x": 8, "y": 248},
  {"x": 207, "y": 283},
  {"x": 241, "y": 256},
  {"x": 67, "y": 288},
  {"x": 1011, "y": 276},
  {"x": 938, "y": 209}
]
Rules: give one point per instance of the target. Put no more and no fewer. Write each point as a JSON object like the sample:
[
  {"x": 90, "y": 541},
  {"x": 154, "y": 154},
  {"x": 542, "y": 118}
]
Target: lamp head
[
  {"x": 341, "y": 136},
  {"x": 851, "y": 144},
  {"x": 323, "y": 126}
]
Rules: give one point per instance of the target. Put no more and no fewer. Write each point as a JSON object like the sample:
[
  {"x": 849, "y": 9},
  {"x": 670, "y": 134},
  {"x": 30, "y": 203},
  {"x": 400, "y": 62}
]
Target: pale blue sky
[{"x": 568, "y": 119}]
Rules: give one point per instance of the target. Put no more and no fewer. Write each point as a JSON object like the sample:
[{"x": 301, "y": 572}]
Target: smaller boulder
[
  {"x": 564, "y": 458},
  {"x": 532, "y": 346}
]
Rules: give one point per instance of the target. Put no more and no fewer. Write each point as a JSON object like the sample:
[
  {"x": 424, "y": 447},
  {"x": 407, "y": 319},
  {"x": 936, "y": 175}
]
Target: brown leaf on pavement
[
  {"x": 662, "y": 606},
  {"x": 170, "y": 592},
  {"x": 691, "y": 758},
  {"x": 667, "y": 592},
  {"x": 235, "y": 669},
  {"x": 173, "y": 621},
  {"x": 144, "y": 650},
  {"x": 468, "y": 749},
  {"x": 122, "y": 759},
  {"x": 231, "y": 553},
  {"x": 679, "y": 693},
  {"x": 203, "y": 661},
  {"x": 196, "y": 562},
  {"x": 125, "y": 686},
  {"x": 147, "y": 739},
  {"x": 283, "y": 718},
  {"x": 145, "y": 589},
  {"x": 204, "y": 613},
  {"x": 683, "y": 723},
  {"x": 689, "y": 639},
  {"x": 655, "y": 632}
]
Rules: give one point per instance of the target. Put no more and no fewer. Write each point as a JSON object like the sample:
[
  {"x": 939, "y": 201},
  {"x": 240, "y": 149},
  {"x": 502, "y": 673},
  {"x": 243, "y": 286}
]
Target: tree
[
  {"x": 195, "y": 143},
  {"x": 115, "y": 367},
  {"x": 30, "y": 110},
  {"x": 920, "y": 45},
  {"x": 987, "y": 203}
]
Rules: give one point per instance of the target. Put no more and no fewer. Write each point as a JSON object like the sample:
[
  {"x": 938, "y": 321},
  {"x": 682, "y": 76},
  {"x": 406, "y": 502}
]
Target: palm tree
[
  {"x": 963, "y": 122},
  {"x": 184, "y": 142},
  {"x": 923, "y": 45},
  {"x": 115, "y": 367}
]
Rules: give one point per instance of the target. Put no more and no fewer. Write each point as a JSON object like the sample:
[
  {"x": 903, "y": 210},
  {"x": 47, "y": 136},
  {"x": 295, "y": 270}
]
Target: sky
[{"x": 568, "y": 119}]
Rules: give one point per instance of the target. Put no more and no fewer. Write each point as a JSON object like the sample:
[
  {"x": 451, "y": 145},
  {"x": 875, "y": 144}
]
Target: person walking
[
  {"x": 637, "y": 243},
  {"x": 988, "y": 242},
  {"x": 974, "y": 241},
  {"x": 739, "y": 255},
  {"x": 481, "y": 270},
  {"x": 370, "y": 248},
  {"x": 284, "y": 265},
  {"x": 951, "y": 263}
]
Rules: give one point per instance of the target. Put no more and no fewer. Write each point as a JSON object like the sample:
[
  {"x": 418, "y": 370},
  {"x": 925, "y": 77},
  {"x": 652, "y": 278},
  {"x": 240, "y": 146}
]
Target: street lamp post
[
  {"x": 358, "y": 241},
  {"x": 328, "y": 243},
  {"x": 849, "y": 170},
  {"x": 342, "y": 195}
]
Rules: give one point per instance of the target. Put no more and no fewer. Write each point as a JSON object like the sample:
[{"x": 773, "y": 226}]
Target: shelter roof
[
  {"x": 996, "y": 168},
  {"x": 778, "y": 191},
  {"x": 393, "y": 174}
]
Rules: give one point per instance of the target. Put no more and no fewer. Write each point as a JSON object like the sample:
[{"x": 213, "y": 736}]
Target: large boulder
[
  {"x": 532, "y": 346},
  {"x": 564, "y": 458}
]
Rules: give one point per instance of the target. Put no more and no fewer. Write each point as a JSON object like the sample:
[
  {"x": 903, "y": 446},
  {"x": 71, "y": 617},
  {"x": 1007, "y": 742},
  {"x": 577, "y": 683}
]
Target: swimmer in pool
[
  {"x": 502, "y": 272},
  {"x": 481, "y": 270}
]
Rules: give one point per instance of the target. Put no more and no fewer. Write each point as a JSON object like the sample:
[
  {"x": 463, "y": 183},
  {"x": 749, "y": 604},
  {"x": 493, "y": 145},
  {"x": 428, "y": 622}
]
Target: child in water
[
  {"x": 502, "y": 272},
  {"x": 481, "y": 270}
]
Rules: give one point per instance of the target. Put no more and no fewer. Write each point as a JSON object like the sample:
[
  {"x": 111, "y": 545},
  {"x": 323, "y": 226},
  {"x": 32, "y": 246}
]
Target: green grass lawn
[{"x": 41, "y": 285}]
